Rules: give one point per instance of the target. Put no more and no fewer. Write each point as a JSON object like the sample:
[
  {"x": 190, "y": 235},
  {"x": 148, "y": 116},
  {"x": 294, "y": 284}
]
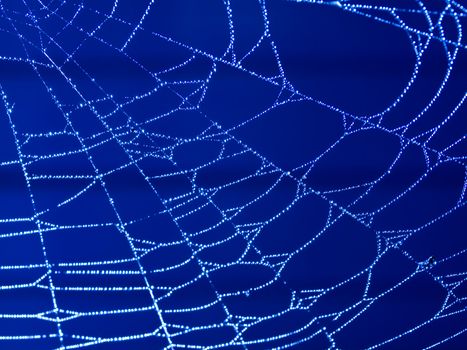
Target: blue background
[{"x": 232, "y": 175}]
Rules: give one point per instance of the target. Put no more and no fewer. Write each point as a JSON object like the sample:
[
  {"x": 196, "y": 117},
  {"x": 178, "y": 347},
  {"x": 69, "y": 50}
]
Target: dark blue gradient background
[{"x": 169, "y": 180}]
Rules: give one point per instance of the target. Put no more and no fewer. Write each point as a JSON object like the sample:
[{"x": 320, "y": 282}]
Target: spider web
[{"x": 164, "y": 190}]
